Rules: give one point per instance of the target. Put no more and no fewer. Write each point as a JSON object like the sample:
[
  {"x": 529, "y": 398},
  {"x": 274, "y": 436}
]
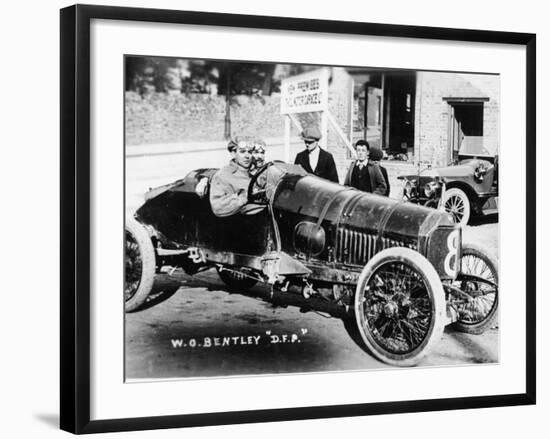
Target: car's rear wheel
[
  {"x": 236, "y": 280},
  {"x": 399, "y": 307},
  {"x": 139, "y": 265},
  {"x": 478, "y": 280},
  {"x": 456, "y": 203}
]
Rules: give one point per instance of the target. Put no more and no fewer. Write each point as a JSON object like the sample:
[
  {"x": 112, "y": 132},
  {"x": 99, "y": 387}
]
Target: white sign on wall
[{"x": 304, "y": 93}]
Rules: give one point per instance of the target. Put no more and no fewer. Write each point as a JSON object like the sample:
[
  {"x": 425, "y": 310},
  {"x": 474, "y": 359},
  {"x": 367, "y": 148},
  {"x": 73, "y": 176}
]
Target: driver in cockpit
[{"x": 229, "y": 186}]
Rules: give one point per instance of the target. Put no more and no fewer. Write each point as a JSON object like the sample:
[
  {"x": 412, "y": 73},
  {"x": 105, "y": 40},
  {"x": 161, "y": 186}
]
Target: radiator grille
[{"x": 356, "y": 248}]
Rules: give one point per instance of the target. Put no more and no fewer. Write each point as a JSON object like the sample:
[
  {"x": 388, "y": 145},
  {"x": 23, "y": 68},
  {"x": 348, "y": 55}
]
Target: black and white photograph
[
  {"x": 296, "y": 218},
  {"x": 275, "y": 219}
]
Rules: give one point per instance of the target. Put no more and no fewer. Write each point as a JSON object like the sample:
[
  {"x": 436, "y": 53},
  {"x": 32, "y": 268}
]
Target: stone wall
[{"x": 159, "y": 118}]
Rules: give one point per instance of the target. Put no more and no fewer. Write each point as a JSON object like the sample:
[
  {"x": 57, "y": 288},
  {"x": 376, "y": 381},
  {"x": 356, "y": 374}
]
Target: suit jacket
[
  {"x": 326, "y": 168},
  {"x": 385, "y": 175},
  {"x": 377, "y": 180}
]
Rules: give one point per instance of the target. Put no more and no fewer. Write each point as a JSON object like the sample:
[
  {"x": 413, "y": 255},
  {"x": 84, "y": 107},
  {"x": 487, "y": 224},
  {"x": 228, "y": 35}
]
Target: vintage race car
[
  {"x": 394, "y": 272},
  {"x": 466, "y": 189}
]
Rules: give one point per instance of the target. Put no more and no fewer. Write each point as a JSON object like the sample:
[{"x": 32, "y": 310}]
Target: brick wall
[{"x": 432, "y": 111}]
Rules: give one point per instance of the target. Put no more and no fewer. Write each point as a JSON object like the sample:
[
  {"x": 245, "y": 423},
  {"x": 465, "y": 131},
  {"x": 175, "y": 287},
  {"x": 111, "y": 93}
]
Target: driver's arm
[{"x": 225, "y": 201}]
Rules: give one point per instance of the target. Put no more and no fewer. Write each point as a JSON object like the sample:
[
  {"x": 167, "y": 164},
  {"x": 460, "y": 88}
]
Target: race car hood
[{"x": 321, "y": 201}]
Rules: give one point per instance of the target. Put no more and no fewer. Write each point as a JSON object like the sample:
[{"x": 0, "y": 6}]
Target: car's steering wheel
[{"x": 258, "y": 196}]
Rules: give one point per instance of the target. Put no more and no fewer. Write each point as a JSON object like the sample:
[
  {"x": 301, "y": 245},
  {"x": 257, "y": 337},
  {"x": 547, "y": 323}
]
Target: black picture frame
[{"x": 75, "y": 217}]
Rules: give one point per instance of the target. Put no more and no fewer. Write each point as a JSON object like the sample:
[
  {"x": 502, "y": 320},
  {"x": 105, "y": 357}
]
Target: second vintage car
[
  {"x": 466, "y": 189},
  {"x": 394, "y": 272}
]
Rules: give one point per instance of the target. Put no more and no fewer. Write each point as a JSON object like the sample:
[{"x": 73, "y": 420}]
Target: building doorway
[
  {"x": 385, "y": 102},
  {"x": 399, "y": 98},
  {"x": 466, "y": 130}
]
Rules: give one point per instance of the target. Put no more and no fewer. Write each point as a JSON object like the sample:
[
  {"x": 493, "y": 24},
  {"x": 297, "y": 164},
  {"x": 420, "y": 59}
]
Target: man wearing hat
[
  {"x": 229, "y": 186},
  {"x": 314, "y": 159}
]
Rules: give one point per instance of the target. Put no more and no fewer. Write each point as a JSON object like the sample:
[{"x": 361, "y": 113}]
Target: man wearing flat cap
[
  {"x": 314, "y": 159},
  {"x": 228, "y": 189}
]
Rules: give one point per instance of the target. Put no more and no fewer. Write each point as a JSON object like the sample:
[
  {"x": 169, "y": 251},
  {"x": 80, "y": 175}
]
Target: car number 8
[{"x": 451, "y": 260}]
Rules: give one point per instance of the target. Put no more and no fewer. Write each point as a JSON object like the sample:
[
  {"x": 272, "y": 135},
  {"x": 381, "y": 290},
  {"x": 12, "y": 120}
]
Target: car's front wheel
[
  {"x": 139, "y": 265},
  {"x": 456, "y": 203},
  {"x": 399, "y": 307}
]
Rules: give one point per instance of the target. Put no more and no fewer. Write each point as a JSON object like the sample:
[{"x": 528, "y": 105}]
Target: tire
[
  {"x": 456, "y": 203},
  {"x": 350, "y": 324},
  {"x": 481, "y": 313},
  {"x": 236, "y": 281},
  {"x": 139, "y": 266},
  {"x": 399, "y": 307}
]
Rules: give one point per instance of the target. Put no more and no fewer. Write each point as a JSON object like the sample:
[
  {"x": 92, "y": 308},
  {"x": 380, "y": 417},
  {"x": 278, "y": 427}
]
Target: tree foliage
[
  {"x": 161, "y": 74},
  {"x": 176, "y": 75},
  {"x": 147, "y": 74}
]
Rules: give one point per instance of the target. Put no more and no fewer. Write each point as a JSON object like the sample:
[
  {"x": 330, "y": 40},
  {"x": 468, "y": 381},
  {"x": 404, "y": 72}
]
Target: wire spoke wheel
[
  {"x": 457, "y": 204},
  {"x": 399, "y": 307},
  {"x": 133, "y": 267},
  {"x": 478, "y": 280},
  {"x": 139, "y": 265}
]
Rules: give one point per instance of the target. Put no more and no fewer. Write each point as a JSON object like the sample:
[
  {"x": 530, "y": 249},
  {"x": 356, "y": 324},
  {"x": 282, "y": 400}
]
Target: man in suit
[
  {"x": 365, "y": 174},
  {"x": 314, "y": 159}
]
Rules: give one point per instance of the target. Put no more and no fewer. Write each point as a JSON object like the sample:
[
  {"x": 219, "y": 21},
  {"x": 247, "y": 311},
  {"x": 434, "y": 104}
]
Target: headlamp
[
  {"x": 479, "y": 173},
  {"x": 430, "y": 188}
]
